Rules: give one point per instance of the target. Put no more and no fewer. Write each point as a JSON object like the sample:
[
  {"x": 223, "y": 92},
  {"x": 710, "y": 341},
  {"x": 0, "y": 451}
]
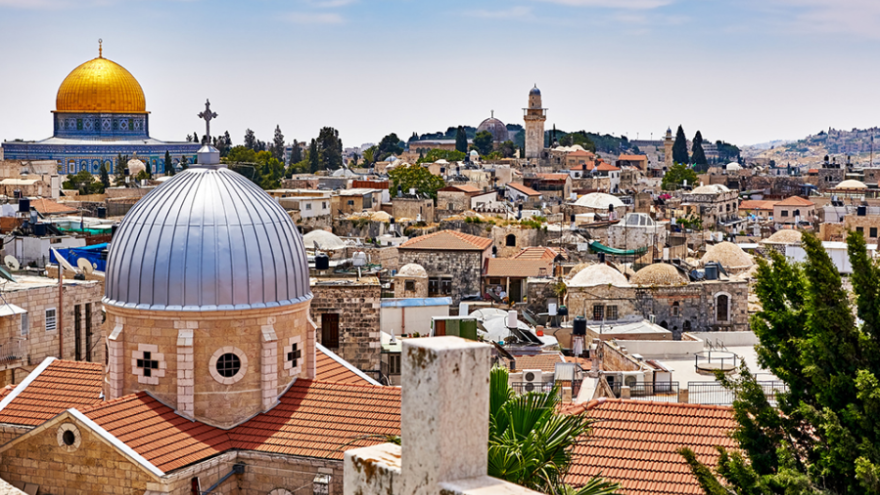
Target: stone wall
[
  {"x": 411, "y": 208},
  {"x": 358, "y": 306},
  {"x": 420, "y": 287},
  {"x": 524, "y": 237},
  {"x": 452, "y": 202},
  {"x": 464, "y": 268}
]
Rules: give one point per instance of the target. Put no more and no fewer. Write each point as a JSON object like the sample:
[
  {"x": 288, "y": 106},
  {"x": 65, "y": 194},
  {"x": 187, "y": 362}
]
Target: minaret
[
  {"x": 667, "y": 148},
  {"x": 534, "y": 116}
]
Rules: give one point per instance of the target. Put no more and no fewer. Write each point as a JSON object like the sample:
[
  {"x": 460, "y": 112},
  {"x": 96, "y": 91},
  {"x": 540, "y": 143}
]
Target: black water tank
[
  {"x": 580, "y": 326},
  {"x": 40, "y": 229},
  {"x": 862, "y": 211},
  {"x": 322, "y": 261},
  {"x": 24, "y": 205},
  {"x": 711, "y": 270},
  {"x": 102, "y": 212}
]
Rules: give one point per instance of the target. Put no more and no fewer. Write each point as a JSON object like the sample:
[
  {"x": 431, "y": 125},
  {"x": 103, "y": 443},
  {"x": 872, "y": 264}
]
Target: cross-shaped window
[
  {"x": 294, "y": 355},
  {"x": 147, "y": 364}
]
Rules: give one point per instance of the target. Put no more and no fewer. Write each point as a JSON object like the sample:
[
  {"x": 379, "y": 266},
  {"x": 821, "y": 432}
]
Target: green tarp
[{"x": 598, "y": 247}]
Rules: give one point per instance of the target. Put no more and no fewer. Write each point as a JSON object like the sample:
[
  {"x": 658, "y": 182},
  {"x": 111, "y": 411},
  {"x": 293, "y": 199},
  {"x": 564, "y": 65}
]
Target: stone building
[
  {"x": 637, "y": 230},
  {"x": 509, "y": 240},
  {"x": 212, "y": 362},
  {"x": 346, "y": 311},
  {"x": 519, "y": 193},
  {"x": 794, "y": 209},
  {"x": 411, "y": 281},
  {"x": 534, "y": 117},
  {"x": 551, "y": 186},
  {"x": 454, "y": 261},
  {"x": 716, "y": 205},
  {"x": 413, "y": 207},
  {"x": 458, "y": 198}
]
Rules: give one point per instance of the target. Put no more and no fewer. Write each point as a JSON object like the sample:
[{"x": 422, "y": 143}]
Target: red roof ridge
[
  {"x": 476, "y": 242},
  {"x": 602, "y": 400},
  {"x": 118, "y": 400}
]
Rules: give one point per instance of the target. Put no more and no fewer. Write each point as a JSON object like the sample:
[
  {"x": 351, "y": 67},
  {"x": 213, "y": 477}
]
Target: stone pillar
[
  {"x": 115, "y": 361},
  {"x": 269, "y": 365},
  {"x": 185, "y": 370},
  {"x": 683, "y": 396},
  {"x": 444, "y": 412}
]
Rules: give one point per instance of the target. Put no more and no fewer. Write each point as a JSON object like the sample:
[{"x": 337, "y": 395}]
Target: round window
[
  {"x": 68, "y": 437},
  {"x": 228, "y": 365}
]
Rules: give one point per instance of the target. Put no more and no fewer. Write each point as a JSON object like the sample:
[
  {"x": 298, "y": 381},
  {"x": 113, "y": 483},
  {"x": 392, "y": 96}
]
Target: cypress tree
[
  {"x": 183, "y": 163},
  {"x": 169, "y": 167},
  {"x": 278, "y": 144},
  {"x": 680, "y": 148},
  {"x": 461, "y": 143},
  {"x": 314, "y": 157},
  {"x": 698, "y": 157},
  {"x": 295, "y": 153}
]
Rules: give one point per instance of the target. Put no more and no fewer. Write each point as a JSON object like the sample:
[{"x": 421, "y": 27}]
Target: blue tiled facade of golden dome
[{"x": 100, "y": 114}]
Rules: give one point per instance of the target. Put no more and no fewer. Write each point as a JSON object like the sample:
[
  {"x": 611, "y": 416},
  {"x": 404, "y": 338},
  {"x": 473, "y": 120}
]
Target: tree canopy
[
  {"x": 698, "y": 156},
  {"x": 461, "y": 140},
  {"x": 329, "y": 148},
  {"x": 822, "y": 436},
  {"x": 680, "y": 148},
  {"x": 278, "y": 144},
  {"x": 438, "y": 154},
  {"x": 415, "y": 177},
  {"x": 84, "y": 182},
  {"x": 581, "y": 138},
  {"x": 483, "y": 142},
  {"x": 676, "y": 175},
  {"x": 389, "y": 145}
]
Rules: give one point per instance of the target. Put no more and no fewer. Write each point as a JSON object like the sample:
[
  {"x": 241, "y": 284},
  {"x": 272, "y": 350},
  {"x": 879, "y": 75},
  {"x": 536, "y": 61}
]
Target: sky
[{"x": 744, "y": 71}]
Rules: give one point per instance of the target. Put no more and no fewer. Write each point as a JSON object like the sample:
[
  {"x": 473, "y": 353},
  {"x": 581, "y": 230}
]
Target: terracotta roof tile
[
  {"x": 580, "y": 153},
  {"x": 539, "y": 253},
  {"x": 562, "y": 177},
  {"x": 61, "y": 386},
  {"x": 512, "y": 267},
  {"x": 543, "y": 362},
  {"x": 450, "y": 240},
  {"x": 635, "y": 443},
  {"x": 795, "y": 201},
  {"x": 754, "y": 204},
  {"x": 633, "y": 157},
  {"x": 462, "y": 188},
  {"x": 331, "y": 370},
  {"x": 528, "y": 191},
  {"x": 48, "y": 207}
]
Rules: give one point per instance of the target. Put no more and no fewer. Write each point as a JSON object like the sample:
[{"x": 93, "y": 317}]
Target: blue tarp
[
  {"x": 93, "y": 253},
  {"x": 416, "y": 302}
]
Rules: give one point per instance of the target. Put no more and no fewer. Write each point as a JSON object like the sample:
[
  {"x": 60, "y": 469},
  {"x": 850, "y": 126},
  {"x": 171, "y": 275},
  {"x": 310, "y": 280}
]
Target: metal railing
[
  {"x": 713, "y": 393},
  {"x": 11, "y": 350},
  {"x": 649, "y": 391}
]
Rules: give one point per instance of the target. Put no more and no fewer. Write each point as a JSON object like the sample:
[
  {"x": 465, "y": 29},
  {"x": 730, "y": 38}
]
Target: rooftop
[
  {"x": 795, "y": 201},
  {"x": 53, "y": 387},
  {"x": 448, "y": 240},
  {"x": 528, "y": 191},
  {"x": 513, "y": 267},
  {"x": 46, "y": 206}
]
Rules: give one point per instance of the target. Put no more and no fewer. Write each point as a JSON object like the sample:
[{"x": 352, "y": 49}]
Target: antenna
[
  {"x": 11, "y": 262},
  {"x": 85, "y": 266}
]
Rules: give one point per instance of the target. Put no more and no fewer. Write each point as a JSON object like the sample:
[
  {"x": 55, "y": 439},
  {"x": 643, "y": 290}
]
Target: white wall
[{"x": 418, "y": 319}]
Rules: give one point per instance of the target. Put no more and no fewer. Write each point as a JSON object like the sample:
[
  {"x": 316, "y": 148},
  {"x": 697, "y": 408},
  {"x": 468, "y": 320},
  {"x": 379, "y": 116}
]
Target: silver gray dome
[{"x": 207, "y": 239}]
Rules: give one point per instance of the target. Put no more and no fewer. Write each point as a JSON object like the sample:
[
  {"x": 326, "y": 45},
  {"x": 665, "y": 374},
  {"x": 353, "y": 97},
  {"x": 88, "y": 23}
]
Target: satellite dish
[
  {"x": 11, "y": 262},
  {"x": 85, "y": 266}
]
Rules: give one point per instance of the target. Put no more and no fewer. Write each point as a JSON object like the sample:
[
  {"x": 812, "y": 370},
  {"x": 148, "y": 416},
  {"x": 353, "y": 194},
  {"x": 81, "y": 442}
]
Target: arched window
[
  {"x": 664, "y": 325},
  {"x": 686, "y": 327},
  {"x": 510, "y": 241},
  {"x": 676, "y": 308},
  {"x": 722, "y": 308}
]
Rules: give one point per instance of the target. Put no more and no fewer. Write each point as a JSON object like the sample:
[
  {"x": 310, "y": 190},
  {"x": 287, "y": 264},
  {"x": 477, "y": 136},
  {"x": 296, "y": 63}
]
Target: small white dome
[
  {"x": 600, "y": 274},
  {"x": 658, "y": 274},
  {"x": 731, "y": 256},
  {"x": 135, "y": 167},
  {"x": 325, "y": 240},
  {"x": 599, "y": 201},
  {"x": 733, "y": 166},
  {"x": 711, "y": 189},
  {"x": 851, "y": 184},
  {"x": 412, "y": 270}
]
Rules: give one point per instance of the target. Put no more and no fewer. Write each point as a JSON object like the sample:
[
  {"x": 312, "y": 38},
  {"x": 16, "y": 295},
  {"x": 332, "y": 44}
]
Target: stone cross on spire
[{"x": 208, "y": 116}]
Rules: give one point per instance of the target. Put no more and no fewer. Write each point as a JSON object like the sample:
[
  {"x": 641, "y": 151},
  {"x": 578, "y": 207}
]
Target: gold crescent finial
[{"x": 100, "y": 48}]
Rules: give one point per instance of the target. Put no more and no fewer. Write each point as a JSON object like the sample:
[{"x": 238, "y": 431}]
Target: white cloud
[
  {"x": 614, "y": 4},
  {"x": 511, "y": 13},
  {"x": 314, "y": 18},
  {"x": 330, "y": 4}
]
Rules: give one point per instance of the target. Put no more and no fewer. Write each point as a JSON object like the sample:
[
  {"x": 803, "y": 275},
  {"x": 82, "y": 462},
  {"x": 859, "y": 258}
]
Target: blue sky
[{"x": 745, "y": 71}]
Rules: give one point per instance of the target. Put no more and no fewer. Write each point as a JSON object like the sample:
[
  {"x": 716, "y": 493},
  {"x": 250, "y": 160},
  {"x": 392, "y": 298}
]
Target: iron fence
[
  {"x": 649, "y": 391},
  {"x": 713, "y": 393}
]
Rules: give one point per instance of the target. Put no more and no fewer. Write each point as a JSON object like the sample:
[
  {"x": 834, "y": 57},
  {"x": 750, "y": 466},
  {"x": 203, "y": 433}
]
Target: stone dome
[
  {"x": 207, "y": 239},
  {"x": 733, "y": 166},
  {"x": 496, "y": 128},
  {"x": 412, "y": 270},
  {"x": 729, "y": 255},
  {"x": 599, "y": 201},
  {"x": 786, "y": 236},
  {"x": 135, "y": 167},
  {"x": 658, "y": 274},
  {"x": 100, "y": 86},
  {"x": 326, "y": 240},
  {"x": 711, "y": 189},
  {"x": 851, "y": 184},
  {"x": 600, "y": 274}
]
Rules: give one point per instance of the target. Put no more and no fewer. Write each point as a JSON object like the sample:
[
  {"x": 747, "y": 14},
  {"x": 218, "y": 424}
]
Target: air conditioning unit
[
  {"x": 633, "y": 378},
  {"x": 533, "y": 380}
]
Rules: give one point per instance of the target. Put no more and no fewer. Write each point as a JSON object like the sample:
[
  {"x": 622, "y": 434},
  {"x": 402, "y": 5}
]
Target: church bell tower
[{"x": 534, "y": 116}]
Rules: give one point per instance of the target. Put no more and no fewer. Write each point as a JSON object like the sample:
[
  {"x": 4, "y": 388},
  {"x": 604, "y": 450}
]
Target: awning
[
  {"x": 11, "y": 310},
  {"x": 598, "y": 247}
]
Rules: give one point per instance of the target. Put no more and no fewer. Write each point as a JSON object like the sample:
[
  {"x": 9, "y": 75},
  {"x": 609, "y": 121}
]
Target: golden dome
[{"x": 100, "y": 86}]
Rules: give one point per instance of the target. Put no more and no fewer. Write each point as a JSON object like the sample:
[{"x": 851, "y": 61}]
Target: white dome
[
  {"x": 412, "y": 270},
  {"x": 851, "y": 184},
  {"x": 600, "y": 274},
  {"x": 733, "y": 166},
  {"x": 711, "y": 189},
  {"x": 135, "y": 167},
  {"x": 325, "y": 240},
  {"x": 731, "y": 256},
  {"x": 658, "y": 274},
  {"x": 208, "y": 239},
  {"x": 599, "y": 201}
]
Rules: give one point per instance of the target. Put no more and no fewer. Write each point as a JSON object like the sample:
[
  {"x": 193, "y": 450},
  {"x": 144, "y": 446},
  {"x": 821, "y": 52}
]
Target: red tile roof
[
  {"x": 602, "y": 167},
  {"x": 448, "y": 240},
  {"x": 313, "y": 419},
  {"x": 543, "y": 362},
  {"x": 48, "y": 207},
  {"x": 528, "y": 191},
  {"x": 635, "y": 443},
  {"x": 329, "y": 369},
  {"x": 580, "y": 153},
  {"x": 795, "y": 201},
  {"x": 464, "y": 188},
  {"x": 633, "y": 158},
  {"x": 539, "y": 253},
  {"x": 512, "y": 267},
  {"x": 754, "y": 204},
  {"x": 49, "y": 391}
]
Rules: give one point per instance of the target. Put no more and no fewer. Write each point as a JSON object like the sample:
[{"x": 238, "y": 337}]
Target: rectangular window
[
  {"x": 860, "y": 230},
  {"x": 25, "y": 325},
  {"x": 50, "y": 320},
  {"x": 409, "y": 285},
  {"x": 394, "y": 364},
  {"x": 323, "y": 205},
  {"x": 89, "y": 332},
  {"x": 308, "y": 206},
  {"x": 611, "y": 313},
  {"x": 330, "y": 330},
  {"x": 446, "y": 286},
  {"x": 350, "y": 202},
  {"x": 784, "y": 213},
  {"x": 439, "y": 286},
  {"x": 873, "y": 232},
  {"x": 598, "y": 312},
  {"x": 450, "y": 206},
  {"x": 77, "y": 332}
]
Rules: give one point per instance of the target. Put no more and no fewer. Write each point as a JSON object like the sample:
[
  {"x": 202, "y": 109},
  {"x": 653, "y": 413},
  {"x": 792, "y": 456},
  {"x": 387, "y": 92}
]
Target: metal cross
[{"x": 208, "y": 115}]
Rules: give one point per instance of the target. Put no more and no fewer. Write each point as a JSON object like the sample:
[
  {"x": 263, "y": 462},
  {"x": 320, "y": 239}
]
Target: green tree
[
  {"x": 278, "y": 144},
  {"x": 483, "y": 142},
  {"x": 727, "y": 152},
  {"x": 105, "y": 176},
  {"x": 507, "y": 149},
  {"x": 389, "y": 145},
  {"x": 84, "y": 182},
  {"x": 295, "y": 152},
  {"x": 530, "y": 442},
  {"x": 169, "y": 166},
  {"x": 698, "y": 157},
  {"x": 438, "y": 154},
  {"x": 184, "y": 164},
  {"x": 676, "y": 175},
  {"x": 314, "y": 157},
  {"x": 330, "y": 147},
  {"x": 250, "y": 140},
  {"x": 580, "y": 138},
  {"x": 370, "y": 156},
  {"x": 461, "y": 141},
  {"x": 680, "y": 147},
  {"x": 415, "y": 177},
  {"x": 821, "y": 436},
  {"x": 121, "y": 167}
]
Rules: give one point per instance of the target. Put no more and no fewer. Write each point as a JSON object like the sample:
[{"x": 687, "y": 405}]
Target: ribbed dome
[
  {"x": 657, "y": 274},
  {"x": 208, "y": 239},
  {"x": 496, "y": 128},
  {"x": 100, "y": 86}
]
